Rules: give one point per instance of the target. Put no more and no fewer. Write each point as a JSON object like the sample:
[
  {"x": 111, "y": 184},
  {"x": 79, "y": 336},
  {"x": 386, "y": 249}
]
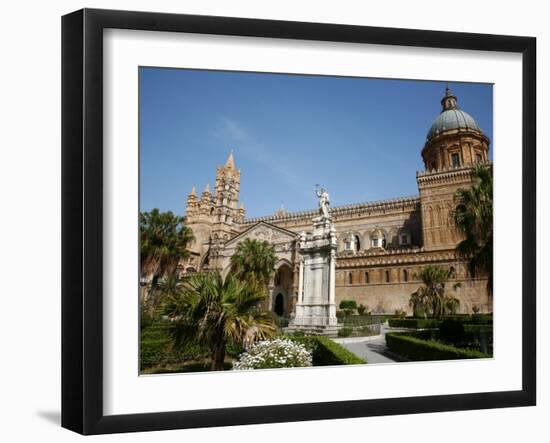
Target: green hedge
[
  {"x": 422, "y": 323},
  {"x": 416, "y": 349},
  {"x": 326, "y": 352},
  {"x": 413, "y": 323},
  {"x": 476, "y": 319}
]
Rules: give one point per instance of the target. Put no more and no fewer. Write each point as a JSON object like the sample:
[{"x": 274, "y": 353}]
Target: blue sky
[{"x": 360, "y": 138}]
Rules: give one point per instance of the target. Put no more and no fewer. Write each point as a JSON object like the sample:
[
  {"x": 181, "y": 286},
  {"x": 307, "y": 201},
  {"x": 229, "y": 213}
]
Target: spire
[
  {"x": 230, "y": 163},
  {"x": 448, "y": 102},
  {"x": 242, "y": 206},
  {"x": 206, "y": 189},
  {"x": 193, "y": 192}
]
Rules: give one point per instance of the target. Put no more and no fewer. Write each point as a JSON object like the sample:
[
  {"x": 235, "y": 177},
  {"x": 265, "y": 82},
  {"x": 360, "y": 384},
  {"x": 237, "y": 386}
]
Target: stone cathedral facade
[{"x": 381, "y": 245}]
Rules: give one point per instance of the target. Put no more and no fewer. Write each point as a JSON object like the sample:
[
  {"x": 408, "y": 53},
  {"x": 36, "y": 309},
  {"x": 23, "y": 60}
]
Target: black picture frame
[{"x": 82, "y": 215}]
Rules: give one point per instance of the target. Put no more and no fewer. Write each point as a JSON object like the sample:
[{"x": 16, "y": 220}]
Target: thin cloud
[
  {"x": 261, "y": 153},
  {"x": 235, "y": 131}
]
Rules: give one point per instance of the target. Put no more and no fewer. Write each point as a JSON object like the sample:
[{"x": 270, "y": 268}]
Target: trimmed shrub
[
  {"x": 326, "y": 352},
  {"x": 413, "y": 323},
  {"x": 477, "y": 319},
  {"x": 361, "y": 309},
  {"x": 348, "y": 307},
  {"x": 400, "y": 313},
  {"x": 482, "y": 319},
  {"x": 451, "y": 330},
  {"x": 345, "y": 331},
  {"x": 348, "y": 304},
  {"x": 416, "y": 349}
]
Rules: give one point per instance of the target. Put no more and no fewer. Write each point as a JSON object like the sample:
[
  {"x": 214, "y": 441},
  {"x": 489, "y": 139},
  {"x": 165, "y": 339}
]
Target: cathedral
[{"x": 381, "y": 245}]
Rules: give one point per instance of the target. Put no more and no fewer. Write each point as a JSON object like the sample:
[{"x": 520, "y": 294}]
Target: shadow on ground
[{"x": 54, "y": 417}]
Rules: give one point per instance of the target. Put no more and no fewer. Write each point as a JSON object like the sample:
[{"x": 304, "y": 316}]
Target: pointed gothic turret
[
  {"x": 192, "y": 205},
  {"x": 230, "y": 162},
  {"x": 241, "y": 212}
]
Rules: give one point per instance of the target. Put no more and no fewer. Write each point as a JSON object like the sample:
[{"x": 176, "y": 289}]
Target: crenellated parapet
[
  {"x": 444, "y": 176},
  {"x": 402, "y": 204}
]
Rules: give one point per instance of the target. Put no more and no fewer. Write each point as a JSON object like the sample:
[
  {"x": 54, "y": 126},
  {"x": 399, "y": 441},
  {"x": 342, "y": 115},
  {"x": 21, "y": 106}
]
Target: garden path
[{"x": 373, "y": 349}]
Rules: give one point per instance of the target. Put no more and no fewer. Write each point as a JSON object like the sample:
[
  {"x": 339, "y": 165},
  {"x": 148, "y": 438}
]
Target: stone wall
[{"x": 388, "y": 297}]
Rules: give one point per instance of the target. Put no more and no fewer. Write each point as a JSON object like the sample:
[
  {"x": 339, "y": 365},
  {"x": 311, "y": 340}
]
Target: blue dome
[{"x": 452, "y": 119}]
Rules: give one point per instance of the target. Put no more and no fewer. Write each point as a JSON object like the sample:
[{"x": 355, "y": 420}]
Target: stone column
[
  {"x": 301, "y": 282},
  {"x": 332, "y": 283}
]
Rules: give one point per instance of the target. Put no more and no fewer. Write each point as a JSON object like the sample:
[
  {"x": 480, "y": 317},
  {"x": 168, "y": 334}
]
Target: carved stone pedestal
[{"x": 315, "y": 308}]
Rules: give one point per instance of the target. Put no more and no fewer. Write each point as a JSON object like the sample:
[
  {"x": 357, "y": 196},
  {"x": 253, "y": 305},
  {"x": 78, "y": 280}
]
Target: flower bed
[{"x": 278, "y": 353}]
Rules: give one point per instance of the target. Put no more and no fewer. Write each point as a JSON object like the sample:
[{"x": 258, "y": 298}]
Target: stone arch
[
  {"x": 281, "y": 291},
  {"x": 357, "y": 238}
]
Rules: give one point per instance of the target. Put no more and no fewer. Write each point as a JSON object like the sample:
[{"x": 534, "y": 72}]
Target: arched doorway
[
  {"x": 281, "y": 291},
  {"x": 279, "y": 306}
]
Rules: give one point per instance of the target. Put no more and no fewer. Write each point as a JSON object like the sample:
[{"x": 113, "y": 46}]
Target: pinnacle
[{"x": 230, "y": 163}]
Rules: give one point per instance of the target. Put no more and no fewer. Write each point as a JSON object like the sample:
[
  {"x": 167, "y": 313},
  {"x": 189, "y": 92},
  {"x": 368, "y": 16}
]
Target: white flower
[{"x": 277, "y": 353}]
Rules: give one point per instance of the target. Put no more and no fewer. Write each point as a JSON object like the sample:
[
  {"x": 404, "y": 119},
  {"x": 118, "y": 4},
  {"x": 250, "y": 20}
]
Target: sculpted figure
[{"x": 324, "y": 202}]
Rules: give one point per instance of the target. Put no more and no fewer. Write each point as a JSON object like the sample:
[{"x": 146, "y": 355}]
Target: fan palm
[
  {"x": 254, "y": 261},
  {"x": 214, "y": 313},
  {"x": 163, "y": 243},
  {"x": 431, "y": 297},
  {"x": 473, "y": 217}
]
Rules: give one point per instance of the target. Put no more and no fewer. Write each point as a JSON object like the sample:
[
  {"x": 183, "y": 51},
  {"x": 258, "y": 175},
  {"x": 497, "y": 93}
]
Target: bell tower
[
  {"x": 226, "y": 196},
  {"x": 212, "y": 217},
  {"x": 454, "y": 145}
]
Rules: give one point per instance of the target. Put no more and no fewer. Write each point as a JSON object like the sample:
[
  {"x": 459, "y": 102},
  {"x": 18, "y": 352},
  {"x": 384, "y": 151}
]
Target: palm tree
[
  {"x": 254, "y": 261},
  {"x": 163, "y": 243},
  {"x": 431, "y": 297},
  {"x": 213, "y": 313},
  {"x": 473, "y": 217}
]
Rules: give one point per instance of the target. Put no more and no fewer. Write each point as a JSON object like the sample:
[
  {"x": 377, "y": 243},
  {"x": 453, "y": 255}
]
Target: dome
[{"x": 452, "y": 119}]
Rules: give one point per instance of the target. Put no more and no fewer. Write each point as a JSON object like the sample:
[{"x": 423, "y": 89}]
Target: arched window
[
  {"x": 455, "y": 160},
  {"x": 387, "y": 276},
  {"x": 405, "y": 275},
  {"x": 352, "y": 243},
  {"x": 366, "y": 277},
  {"x": 378, "y": 239},
  {"x": 452, "y": 272},
  {"x": 350, "y": 278}
]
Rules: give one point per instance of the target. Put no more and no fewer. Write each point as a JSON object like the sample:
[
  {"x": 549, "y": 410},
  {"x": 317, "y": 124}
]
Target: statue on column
[{"x": 324, "y": 202}]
